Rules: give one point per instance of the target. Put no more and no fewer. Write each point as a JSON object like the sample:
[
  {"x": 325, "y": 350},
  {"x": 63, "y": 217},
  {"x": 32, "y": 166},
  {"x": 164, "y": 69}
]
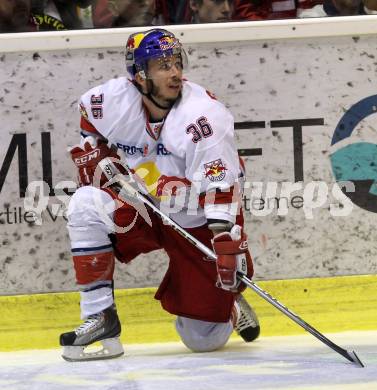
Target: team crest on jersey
[
  {"x": 83, "y": 112},
  {"x": 215, "y": 170}
]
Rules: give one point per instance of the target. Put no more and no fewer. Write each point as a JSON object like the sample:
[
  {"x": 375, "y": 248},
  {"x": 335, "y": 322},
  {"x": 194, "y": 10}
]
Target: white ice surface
[{"x": 291, "y": 362}]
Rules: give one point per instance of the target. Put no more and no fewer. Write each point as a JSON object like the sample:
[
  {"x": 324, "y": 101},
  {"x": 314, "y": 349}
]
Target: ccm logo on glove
[
  {"x": 82, "y": 160},
  {"x": 87, "y": 156},
  {"x": 244, "y": 245}
]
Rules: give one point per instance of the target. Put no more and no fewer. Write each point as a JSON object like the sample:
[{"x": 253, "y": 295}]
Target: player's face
[
  {"x": 166, "y": 76},
  {"x": 134, "y": 12},
  {"x": 213, "y": 11}
]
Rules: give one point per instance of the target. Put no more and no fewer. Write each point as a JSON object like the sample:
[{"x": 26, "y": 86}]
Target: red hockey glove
[
  {"x": 232, "y": 256},
  {"x": 87, "y": 157}
]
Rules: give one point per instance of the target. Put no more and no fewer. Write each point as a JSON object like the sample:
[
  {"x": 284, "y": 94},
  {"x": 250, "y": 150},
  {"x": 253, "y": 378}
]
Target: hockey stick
[{"x": 116, "y": 179}]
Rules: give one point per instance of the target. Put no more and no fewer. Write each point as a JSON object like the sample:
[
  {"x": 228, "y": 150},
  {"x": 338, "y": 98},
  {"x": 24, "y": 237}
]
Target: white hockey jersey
[{"x": 192, "y": 153}]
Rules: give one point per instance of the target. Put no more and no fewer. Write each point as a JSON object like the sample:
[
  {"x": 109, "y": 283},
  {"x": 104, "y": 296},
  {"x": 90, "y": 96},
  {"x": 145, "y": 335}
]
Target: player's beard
[{"x": 162, "y": 100}]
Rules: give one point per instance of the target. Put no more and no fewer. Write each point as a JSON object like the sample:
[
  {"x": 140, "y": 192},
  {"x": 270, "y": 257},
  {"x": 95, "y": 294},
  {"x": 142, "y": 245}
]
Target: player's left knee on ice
[{"x": 202, "y": 336}]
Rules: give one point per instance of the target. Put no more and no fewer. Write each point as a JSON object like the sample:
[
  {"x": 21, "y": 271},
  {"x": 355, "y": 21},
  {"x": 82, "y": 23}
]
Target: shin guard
[{"x": 94, "y": 267}]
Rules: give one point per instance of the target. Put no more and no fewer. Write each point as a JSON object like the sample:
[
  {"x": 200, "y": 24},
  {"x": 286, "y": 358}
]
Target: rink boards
[
  {"x": 304, "y": 111},
  {"x": 303, "y": 97},
  {"x": 334, "y": 304}
]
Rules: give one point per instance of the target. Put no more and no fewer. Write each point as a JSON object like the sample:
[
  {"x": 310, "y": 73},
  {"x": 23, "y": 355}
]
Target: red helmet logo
[{"x": 131, "y": 43}]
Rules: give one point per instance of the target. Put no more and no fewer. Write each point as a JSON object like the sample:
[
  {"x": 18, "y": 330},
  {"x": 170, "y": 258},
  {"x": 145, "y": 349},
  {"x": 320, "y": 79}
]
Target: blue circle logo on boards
[{"x": 357, "y": 162}]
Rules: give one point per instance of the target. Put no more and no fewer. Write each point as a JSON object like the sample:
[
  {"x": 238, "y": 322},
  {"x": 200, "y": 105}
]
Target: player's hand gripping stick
[
  {"x": 233, "y": 258},
  {"x": 111, "y": 172}
]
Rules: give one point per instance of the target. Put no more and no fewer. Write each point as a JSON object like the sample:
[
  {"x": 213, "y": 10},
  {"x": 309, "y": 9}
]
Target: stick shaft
[
  {"x": 294, "y": 317},
  {"x": 210, "y": 254}
]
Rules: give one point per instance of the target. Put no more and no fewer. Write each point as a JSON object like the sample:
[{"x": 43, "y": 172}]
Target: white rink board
[{"x": 264, "y": 81}]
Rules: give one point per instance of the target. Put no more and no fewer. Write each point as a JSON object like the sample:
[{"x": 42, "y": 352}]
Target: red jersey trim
[
  {"x": 163, "y": 187},
  {"x": 87, "y": 126}
]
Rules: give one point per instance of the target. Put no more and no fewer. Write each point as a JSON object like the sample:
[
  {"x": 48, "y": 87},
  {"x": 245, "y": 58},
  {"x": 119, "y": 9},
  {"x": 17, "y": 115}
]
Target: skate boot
[
  {"x": 246, "y": 322},
  {"x": 103, "y": 327}
]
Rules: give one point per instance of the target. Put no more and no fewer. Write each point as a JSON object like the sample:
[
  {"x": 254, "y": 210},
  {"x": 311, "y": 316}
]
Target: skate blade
[{"x": 111, "y": 348}]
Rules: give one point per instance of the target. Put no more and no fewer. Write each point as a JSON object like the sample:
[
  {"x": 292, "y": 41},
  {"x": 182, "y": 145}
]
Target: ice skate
[
  {"x": 246, "y": 321},
  {"x": 103, "y": 327}
]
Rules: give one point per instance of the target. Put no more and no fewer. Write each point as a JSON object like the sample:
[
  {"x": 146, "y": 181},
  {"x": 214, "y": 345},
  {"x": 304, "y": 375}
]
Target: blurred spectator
[
  {"x": 251, "y": 10},
  {"x": 58, "y": 14},
  {"x": 101, "y": 15},
  {"x": 33, "y": 15},
  {"x": 262, "y": 10},
  {"x": 133, "y": 12},
  {"x": 343, "y": 7},
  {"x": 122, "y": 13},
  {"x": 271, "y": 9},
  {"x": 335, "y": 8},
  {"x": 281, "y": 9},
  {"x": 370, "y": 7},
  {"x": 211, "y": 11},
  {"x": 303, "y": 5},
  {"x": 174, "y": 11},
  {"x": 15, "y": 16}
]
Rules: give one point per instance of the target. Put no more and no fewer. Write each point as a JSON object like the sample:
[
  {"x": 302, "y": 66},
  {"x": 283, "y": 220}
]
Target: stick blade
[{"x": 355, "y": 359}]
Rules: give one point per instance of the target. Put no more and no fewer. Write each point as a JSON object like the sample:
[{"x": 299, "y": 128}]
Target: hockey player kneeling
[{"x": 177, "y": 139}]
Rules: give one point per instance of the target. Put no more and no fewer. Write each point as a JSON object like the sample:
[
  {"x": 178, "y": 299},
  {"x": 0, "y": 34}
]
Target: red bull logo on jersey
[
  {"x": 167, "y": 43},
  {"x": 215, "y": 170}
]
